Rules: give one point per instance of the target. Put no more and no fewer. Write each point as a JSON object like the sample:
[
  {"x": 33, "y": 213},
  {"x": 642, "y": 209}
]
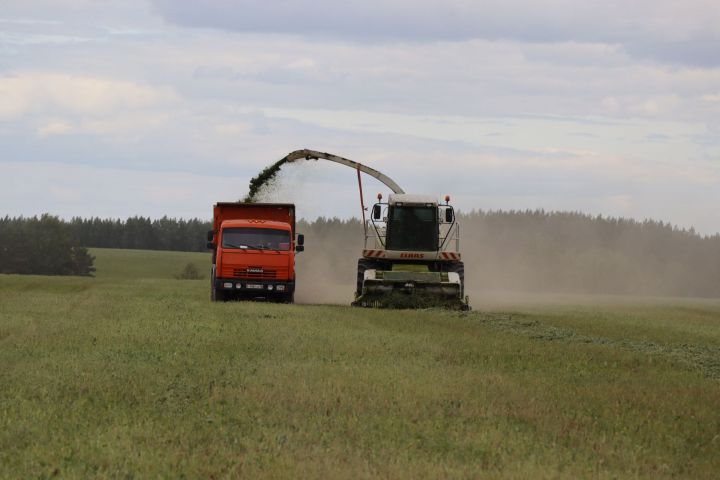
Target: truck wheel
[
  {"x": 215, "y": 294},
  {"x": 289, "y": 298}
]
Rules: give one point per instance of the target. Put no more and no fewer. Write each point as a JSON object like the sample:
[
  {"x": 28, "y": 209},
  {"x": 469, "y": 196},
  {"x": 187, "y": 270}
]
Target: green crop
[{"x": 134, "y": 374}]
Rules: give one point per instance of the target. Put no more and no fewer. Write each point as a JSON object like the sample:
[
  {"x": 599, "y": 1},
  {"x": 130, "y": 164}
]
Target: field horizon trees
[
  {"x": 41, "y": 246},
  {"x": 531, "y": 250}
]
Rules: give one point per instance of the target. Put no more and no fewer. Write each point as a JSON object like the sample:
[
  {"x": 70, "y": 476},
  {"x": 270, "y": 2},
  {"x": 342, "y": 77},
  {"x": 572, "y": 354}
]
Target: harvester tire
[
  {"x": 459, "y": 268},
  {"x": 363, "y": 264}
]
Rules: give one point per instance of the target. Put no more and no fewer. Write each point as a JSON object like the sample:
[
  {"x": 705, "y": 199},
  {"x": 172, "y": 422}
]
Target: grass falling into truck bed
[{"x": 263, "y": 180}]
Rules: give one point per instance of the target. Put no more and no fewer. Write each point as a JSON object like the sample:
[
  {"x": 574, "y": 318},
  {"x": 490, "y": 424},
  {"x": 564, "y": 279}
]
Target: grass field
[{"x": 134, "y": 374}]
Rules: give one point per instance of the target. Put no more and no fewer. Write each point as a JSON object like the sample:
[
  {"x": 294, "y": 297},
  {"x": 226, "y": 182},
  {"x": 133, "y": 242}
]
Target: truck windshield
[
  {"x": 256, "y": 239},
  {"x": 412, "y": 228}
]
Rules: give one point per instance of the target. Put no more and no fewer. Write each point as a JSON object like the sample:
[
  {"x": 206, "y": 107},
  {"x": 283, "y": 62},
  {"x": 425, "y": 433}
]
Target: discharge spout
[{"x": 306, "y": 154}]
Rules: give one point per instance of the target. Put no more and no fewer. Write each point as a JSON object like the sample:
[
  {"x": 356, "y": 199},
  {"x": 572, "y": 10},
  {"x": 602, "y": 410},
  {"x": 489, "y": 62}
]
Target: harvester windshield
[
  {"x": 412, "y": 228},
  {"x": 256, "y": 238}
]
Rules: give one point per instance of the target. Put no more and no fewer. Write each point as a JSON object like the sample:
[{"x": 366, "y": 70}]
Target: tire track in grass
[{"x": 705, "y": 359}]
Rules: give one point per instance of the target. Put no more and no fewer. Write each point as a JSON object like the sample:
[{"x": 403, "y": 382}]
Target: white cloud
[
  {"x": 124, "y": 124},
  {"x": 474, "y": 78},
  {"x": 655, "y": 106},
  {"x": 29, "y": 21},
  {"x": 51, "y": 92},
  {"x": 56, "y": 127},
  {"x": 19, "y": 39},
  {"x": 302, "y": 63},
  {"x": 683, "y": 32},
  {"x": 233, "y": 129}
]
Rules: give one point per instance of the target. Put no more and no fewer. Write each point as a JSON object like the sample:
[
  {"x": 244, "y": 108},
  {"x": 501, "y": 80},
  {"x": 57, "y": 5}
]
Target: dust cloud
[
  {"x": 516, "y": 257},
  {"x": 533, "y": 257},
  {"x": 327, "y": 269}
]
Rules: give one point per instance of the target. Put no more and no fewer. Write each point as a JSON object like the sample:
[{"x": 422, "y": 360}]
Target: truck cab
[{"x": 254, "y": 248}]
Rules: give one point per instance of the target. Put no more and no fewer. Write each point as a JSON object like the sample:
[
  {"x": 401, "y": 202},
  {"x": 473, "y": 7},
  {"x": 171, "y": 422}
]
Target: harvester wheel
[
  {"x": 459, "y": 268},
  {"x": 363, "y": 264}
]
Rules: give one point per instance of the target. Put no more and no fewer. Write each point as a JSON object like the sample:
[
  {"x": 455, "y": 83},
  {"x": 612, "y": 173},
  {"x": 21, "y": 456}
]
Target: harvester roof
[{"x": 411, "y": 199}]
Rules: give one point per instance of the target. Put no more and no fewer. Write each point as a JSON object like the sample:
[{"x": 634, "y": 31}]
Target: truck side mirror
[
  {"x": 210, "y": 245},
  {"x": 299, "y": 248},
  {"x": 301, "y": 240},
  {"x": 210, "y": 235},
  {"x": 449, "y": 217},
  {"x": 377, "y": 212}
]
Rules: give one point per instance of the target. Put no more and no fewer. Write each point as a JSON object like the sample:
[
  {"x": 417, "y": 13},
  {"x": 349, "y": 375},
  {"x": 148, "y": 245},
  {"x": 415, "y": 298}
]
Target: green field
[{"x": 134, "y": 374}]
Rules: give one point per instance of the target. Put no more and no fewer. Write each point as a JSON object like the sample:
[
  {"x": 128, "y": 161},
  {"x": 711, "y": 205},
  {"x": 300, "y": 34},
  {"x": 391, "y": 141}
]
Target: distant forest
[
  {"x": 535, "y": 251},
  {"x": 142, "y": 233},
  {"x": 41, "y": 246}
]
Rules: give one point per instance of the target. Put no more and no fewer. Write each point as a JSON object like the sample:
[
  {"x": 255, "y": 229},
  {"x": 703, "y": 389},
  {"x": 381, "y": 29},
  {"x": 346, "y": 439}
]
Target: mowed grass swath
[{"x": 136, "y": 374}]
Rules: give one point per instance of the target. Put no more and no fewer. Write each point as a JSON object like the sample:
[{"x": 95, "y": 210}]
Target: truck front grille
[{"x": 249, "y": 274}]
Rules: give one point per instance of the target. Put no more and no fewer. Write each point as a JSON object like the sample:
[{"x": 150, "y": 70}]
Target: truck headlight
[
  {"x": 280, "y": 288},
  {"x": 227, "y": 285}
]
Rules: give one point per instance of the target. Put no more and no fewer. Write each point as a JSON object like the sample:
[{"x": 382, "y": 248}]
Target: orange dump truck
[{"x": 254, "y": 249}]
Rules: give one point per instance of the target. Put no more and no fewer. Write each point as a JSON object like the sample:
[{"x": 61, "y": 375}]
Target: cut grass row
[{"x": 127, "y": 375}]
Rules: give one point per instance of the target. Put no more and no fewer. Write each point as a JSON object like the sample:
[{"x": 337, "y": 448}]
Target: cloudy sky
[{"x": 154, "y": 107}]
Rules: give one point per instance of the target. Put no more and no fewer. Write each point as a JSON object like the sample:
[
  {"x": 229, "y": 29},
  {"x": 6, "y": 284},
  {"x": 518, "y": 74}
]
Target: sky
[{"x": 159, "y": 107}]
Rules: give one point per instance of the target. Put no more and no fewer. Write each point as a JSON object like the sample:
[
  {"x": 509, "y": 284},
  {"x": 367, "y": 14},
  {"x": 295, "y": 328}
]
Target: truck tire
[{"x": 215, "y": 294}]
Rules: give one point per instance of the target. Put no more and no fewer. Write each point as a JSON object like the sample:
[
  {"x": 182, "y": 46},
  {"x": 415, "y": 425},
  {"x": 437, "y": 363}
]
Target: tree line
[
  {"x": 48, "y": 245},
  {"x": 531, "y": 250},
  {"x": 42, "y": 246},
  {"x": 141, "y": 233}
]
